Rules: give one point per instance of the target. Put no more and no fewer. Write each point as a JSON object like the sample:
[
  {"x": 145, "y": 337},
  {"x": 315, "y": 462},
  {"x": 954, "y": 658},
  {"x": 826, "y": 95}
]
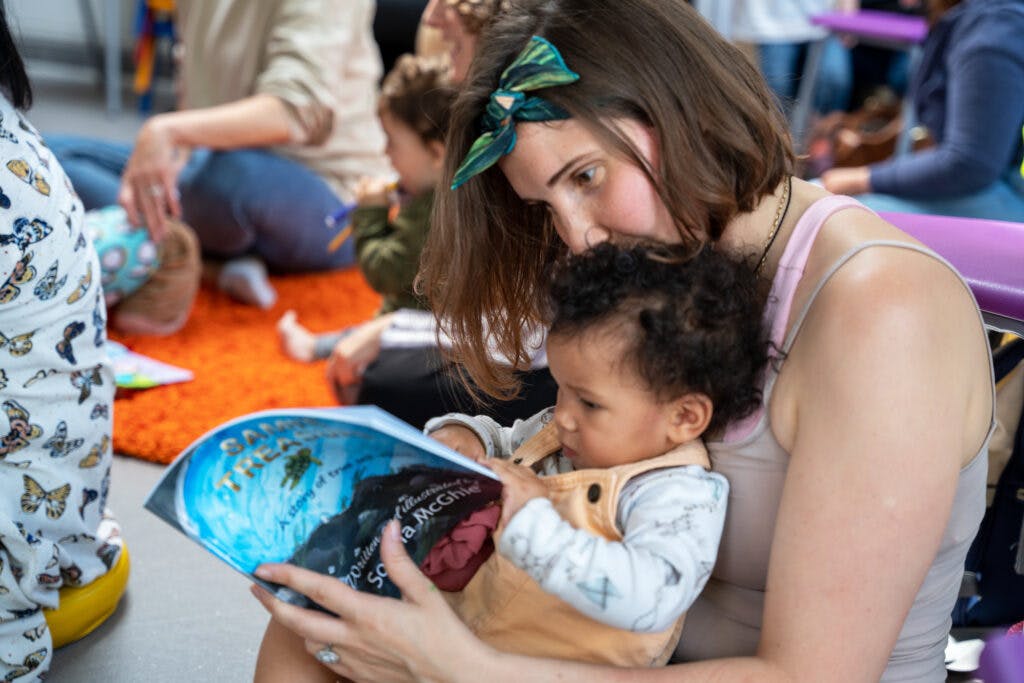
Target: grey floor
[{"x": 185, "y": 616}]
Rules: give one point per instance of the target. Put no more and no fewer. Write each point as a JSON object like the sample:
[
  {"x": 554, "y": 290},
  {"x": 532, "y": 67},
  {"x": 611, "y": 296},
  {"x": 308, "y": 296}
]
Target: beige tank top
[{"x": 726, "y": 619}]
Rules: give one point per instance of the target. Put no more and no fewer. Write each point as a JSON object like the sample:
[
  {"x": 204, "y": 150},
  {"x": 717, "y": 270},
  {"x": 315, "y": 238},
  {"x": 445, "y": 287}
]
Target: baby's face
[
  {"x": 605, "y": 414},
  {"x": 417, "y": 163}
]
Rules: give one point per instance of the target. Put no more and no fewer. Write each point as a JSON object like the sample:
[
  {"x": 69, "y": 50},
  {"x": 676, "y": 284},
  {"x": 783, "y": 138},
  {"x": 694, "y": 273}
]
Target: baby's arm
[
  {"x": 671, "y": 522},
  {"x": 498, "y": 441}
]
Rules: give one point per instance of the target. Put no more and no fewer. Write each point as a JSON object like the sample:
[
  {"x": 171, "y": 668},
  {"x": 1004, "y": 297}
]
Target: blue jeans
[
  {"x": 1000, "y": 201},
  {"x": 783, "y": 63},
  {"x": 245, "y": 201}
]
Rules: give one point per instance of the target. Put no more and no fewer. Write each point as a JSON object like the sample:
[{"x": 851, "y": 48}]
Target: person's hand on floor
[
  {"x": 849, "y": 181},
  {"x": 353, "y": 354},
  {"x": 149, "y": 184}
]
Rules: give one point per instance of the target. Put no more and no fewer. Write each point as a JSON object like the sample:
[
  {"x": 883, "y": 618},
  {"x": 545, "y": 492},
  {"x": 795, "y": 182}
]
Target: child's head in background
[
  {"x": 652, "y": 346},
  {"x": 416, "y": 97}
]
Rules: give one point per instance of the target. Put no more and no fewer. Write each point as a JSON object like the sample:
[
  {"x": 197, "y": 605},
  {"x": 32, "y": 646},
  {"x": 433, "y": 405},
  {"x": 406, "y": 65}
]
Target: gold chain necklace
[{"x": 780, "y": 214}]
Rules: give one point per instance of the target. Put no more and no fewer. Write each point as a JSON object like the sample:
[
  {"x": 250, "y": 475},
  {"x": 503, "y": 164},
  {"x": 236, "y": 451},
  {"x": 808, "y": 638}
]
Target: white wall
[{"x": 62, "y": 21}]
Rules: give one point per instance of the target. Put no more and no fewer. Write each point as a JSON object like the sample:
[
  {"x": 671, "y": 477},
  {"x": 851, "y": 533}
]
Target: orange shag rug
[{"x": 238, "y": 364}]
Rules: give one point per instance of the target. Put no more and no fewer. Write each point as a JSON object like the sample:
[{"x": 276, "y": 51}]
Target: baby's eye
[{"x": 589, "y": 405}]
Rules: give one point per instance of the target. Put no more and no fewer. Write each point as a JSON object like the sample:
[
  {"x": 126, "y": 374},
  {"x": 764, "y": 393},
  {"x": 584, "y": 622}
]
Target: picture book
[
  {"x": 315, "y": 487},
  {"x": 134, "y": 371}
]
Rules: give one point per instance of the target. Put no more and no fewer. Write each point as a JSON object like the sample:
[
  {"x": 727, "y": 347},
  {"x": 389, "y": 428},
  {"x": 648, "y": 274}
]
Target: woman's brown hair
[{"x": 723, "y": 146}]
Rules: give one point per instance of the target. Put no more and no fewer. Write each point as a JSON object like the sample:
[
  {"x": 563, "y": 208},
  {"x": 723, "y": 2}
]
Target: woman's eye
[{"x": 588, "y": 176}]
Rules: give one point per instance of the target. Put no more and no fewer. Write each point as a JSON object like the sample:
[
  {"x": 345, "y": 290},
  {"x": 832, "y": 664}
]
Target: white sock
[{"x": 245, "y": 279}]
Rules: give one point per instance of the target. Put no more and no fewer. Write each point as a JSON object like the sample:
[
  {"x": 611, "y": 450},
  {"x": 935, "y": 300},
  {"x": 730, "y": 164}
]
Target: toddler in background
[{"x": 415, "y": 100}]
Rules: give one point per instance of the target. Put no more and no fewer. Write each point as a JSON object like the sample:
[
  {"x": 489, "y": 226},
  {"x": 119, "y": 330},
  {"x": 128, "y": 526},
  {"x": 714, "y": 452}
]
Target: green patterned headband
[{"x": 538, "y": 66}]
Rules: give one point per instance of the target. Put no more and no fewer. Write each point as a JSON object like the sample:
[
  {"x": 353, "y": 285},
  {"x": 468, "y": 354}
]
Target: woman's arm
[
  {"x": 149, "y": 184},
  {"x": 419, "y": 638},
  {"x": 878, "y": 430},
  {"x": 984, "y": 107},
  {"x": 292, "y": 102}
]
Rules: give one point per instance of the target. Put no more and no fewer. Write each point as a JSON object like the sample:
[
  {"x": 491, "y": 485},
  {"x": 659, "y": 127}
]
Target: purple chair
[
  {"x": 886, "y": 29},
  {"x": 989, "y": 254},
  {"x": 1002, "y": 660},
  {"x": 882, "y": 29}
]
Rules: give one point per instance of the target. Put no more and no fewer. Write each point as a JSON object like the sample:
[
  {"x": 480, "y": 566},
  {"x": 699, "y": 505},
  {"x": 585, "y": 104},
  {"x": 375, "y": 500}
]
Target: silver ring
[
  {"x": 327, "y": 655},
  {"x": 155, "y": 190}
]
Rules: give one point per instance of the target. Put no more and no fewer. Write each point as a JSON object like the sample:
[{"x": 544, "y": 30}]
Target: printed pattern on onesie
[{"x": 56, "y": 398}]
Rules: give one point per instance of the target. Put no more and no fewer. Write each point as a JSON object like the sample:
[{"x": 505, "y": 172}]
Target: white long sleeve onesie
[{"x": 671, "y": 522}]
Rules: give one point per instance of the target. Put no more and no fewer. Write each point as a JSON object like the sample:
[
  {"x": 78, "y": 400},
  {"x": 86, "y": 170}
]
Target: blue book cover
[{"x": 315, "y": 487}]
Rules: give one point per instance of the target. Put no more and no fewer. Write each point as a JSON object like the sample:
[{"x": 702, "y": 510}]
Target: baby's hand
[
  {"x": 462, "y": 439},
  {"x": 520, "y": 485},
  {"x": 373, "y": 191}
]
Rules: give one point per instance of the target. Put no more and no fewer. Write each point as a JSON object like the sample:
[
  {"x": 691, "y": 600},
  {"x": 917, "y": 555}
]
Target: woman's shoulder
[
  {"x": 876, "y": 263},
  {"x": 884, "y": 301},
  {"x": 984, "y": 27},
  {"x": 863, "y": 268}
]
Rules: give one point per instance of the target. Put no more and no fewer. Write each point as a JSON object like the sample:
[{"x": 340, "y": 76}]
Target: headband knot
[{"x": 538, "y": 66}]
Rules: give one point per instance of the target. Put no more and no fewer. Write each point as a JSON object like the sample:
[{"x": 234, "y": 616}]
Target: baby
[
  {"x": 601, "y": 555},
  {"x": 414, "y": 104}
]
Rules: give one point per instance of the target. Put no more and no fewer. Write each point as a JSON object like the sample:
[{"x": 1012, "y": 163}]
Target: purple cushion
[
  {"x": 989, "y": 254},
  {"x": 884, "y": 26}
]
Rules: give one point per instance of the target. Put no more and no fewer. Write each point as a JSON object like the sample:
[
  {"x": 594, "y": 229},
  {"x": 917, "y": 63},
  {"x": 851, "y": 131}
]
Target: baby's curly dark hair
[
  {"x": 690, "y": 321},
  {"x": 419, "y": 93}
]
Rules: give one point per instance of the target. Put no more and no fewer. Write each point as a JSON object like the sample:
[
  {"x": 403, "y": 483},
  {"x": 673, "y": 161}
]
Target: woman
[
  {"x": 969, "y": 93},
  {"x": 278, "y": 123},
  {"x": 856, "y": 489},
  {"x": 460, "y": 22}
]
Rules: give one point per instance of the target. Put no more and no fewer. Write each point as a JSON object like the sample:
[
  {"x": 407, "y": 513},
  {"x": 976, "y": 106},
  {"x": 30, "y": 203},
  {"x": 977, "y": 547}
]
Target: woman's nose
[{"x": 580, "y": 232}]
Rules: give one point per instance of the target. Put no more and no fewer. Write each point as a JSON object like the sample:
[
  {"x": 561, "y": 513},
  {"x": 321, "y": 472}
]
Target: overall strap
[{"x": 537, "y": 447}]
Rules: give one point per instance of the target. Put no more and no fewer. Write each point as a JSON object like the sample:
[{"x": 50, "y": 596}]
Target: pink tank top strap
[
  {"x": 787, "y": 277},
  {"x": 794, "y": 260}
]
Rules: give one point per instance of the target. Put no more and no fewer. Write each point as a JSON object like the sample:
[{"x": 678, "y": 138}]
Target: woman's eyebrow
[{"x": 562, "y": 171}]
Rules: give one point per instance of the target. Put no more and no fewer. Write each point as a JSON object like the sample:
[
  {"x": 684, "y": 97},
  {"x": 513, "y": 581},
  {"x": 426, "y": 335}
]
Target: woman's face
[
  {"x": 461, "y": 43},
  {"x": 591, "y": 193}
]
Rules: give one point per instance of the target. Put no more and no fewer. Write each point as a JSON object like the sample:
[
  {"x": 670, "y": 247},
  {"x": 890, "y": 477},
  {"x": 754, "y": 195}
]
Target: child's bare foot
[{"x": 296, "y": 340}]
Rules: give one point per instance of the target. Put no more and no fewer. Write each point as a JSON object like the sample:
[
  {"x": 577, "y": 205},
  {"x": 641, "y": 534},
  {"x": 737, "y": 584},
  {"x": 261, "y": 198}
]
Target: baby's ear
[{"x": 689, "y": 417}]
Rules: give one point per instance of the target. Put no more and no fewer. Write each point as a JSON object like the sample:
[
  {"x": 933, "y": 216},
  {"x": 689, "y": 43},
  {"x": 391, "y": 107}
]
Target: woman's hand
[
  {"x": 417, "y": 638},
  {"x": 849, "y": 181},
  {"x": 519, "y": 485},
  {"x": 462, "y": 439},
  {"x": 149, "y": 184}
]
